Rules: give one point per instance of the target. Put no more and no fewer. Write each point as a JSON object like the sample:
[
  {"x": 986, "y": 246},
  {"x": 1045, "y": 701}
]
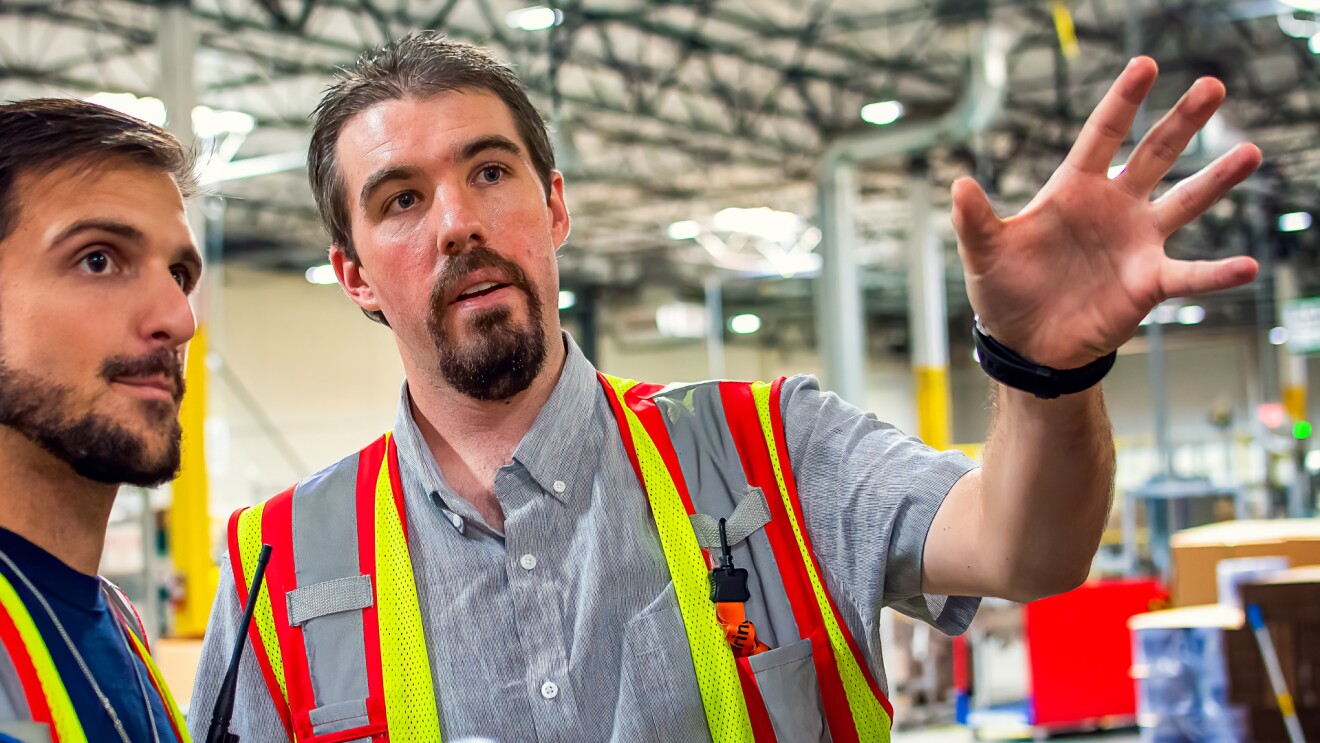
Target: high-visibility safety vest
[
  {"x": 34, "y": 702},
  {"x": 338, "y": 632}
]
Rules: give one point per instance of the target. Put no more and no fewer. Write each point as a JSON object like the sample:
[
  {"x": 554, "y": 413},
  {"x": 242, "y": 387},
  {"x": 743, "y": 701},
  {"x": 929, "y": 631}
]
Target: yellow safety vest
[
  {"x": 328, "y": 593},
  {"x": 50, "y": 715}
]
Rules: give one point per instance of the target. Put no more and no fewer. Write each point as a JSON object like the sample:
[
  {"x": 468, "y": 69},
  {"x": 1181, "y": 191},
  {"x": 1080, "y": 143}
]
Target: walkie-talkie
[{"x": 224, "y": 703}]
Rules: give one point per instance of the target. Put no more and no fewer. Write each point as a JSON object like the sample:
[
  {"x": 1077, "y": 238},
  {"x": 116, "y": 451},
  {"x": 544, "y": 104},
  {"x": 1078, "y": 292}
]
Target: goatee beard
[{"x": 504, "y": 359}]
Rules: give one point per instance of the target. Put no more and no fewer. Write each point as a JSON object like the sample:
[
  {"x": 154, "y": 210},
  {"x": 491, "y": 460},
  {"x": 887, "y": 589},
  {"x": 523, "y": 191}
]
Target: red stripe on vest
[
  {"x": 749, "y": 438},
  {"x": 277, "y": 529},
  {"x": 254, "y": 634},
  {"x": 396, "y": 485},
  {"x": 369, "y": 461},
  {"x": 12, "y": 642},
  {"x": 648, "y": 413},
  {"x": 790, "y": 484},
  {"x": 762, "y": 729}
]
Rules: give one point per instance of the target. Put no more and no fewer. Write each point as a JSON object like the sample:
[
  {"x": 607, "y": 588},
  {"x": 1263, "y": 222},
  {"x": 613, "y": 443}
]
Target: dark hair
[
  {"x": 418, "y": 65},
  {"x": 41, "y": 134}
]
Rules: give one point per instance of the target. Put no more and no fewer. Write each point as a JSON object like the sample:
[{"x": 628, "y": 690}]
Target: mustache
[
  {"x": 160, "y": 363},
  {"x": 475, "y": 259}
]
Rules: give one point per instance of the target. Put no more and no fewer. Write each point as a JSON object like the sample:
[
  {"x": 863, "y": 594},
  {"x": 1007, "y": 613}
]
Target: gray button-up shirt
[{"x": 560, "y": 628}]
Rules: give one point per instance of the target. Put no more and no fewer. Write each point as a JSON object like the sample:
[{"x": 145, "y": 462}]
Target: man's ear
[
  {"x": 354, "y": 278},
  {"x": 559, "y": 220}
]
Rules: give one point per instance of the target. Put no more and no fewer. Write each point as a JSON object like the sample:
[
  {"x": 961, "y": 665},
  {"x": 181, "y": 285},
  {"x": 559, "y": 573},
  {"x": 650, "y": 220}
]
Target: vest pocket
[{"x": 787, "y": 679}]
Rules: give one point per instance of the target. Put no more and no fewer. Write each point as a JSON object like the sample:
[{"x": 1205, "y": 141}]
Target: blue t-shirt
[{"x": 77, "y": 600}]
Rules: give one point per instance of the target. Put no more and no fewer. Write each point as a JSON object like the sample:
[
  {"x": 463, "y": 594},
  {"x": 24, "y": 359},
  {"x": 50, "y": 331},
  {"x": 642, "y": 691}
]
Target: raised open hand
[{"x": 1070, "y": 278}]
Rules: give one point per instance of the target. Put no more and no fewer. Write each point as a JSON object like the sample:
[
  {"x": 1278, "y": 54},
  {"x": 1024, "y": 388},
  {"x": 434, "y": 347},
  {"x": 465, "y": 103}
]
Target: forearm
[{"x": 1046, "y": 487}]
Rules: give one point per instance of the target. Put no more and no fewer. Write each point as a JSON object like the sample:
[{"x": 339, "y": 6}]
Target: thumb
[
  {"x": 973, "y": 218},
  {"x": 1181, "y": 278}
]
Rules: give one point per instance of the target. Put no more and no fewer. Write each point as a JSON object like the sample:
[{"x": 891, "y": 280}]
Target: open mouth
[{"x": 479, "y": 290}]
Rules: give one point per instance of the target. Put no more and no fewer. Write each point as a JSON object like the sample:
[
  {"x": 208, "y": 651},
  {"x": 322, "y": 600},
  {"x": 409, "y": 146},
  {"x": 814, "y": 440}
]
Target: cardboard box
[
  {"x": 1290, "y": 604},
  {"x": 1197, "y": 552}
]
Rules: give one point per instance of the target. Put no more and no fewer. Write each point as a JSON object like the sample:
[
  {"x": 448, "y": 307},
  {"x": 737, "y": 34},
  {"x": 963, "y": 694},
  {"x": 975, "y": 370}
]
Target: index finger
[{"x": 1111, "y": 120}]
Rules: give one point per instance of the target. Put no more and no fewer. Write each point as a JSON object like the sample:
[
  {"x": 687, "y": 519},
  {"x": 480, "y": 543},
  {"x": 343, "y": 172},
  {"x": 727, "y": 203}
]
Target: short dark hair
[
  {"x": 39, "y": 135},
  {"x": 419, "y": 65}
]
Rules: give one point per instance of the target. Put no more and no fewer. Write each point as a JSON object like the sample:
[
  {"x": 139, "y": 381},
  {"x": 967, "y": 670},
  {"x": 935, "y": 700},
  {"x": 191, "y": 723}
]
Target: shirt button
[
  {"x": 549, "y": 690},
  {"x": 528, "y": 562},
  {"x": 559, "y": 486}
]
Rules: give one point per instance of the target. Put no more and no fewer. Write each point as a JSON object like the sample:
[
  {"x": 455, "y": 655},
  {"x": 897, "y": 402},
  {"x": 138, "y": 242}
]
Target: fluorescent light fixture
[
  {"x": 882, "y": 113},
  {"x": 1116, "y": 170},
  {"x": 150, "y": 110},
  {"x": 208, "y": 123},
  {"x": 566, "y": 299},
  {"x": 1313, "y": 460},
  {"x": 1278, "y": 335},
  {"x": 776, "y": 226},
  {"x": 323, "y": 275},
  {"x": 681, "y": 320},
  {"x": 1191, "y": 314},
  {"x": 1309, "y": 5},
  {"x": 535, "y": 18},
  {"x": 745, "y": 324},
  {"x": 688, "y": 229},
  {"x": 1294, "y": 221},
  {"x": 1314, "y": 44}
]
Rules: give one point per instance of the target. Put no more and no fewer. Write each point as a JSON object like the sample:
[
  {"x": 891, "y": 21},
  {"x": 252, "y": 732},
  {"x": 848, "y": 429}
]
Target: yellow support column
[
  {"x": 932, "y": 384},
  {"x": 190, "y": 517}
]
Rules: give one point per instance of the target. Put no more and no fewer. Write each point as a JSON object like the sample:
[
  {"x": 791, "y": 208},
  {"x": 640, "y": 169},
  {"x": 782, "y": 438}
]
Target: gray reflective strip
[
  {"x": 26, "y": 732},
  {"x": 325, "y": 548},
  {"x": 787, "y": 680},
  {"x": 13, "y": 702},
  {"x": 751, "y": 514},
  {"x": 116, "y": 598},
  {"x": 713, "y": 471},
  {"x": 333, "y": 718},
  {"x": 351, "y": 593}
]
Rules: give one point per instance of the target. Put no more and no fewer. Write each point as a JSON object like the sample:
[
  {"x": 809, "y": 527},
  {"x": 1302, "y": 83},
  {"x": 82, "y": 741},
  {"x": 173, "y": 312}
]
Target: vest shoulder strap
[{"x": 44, "y": 697}]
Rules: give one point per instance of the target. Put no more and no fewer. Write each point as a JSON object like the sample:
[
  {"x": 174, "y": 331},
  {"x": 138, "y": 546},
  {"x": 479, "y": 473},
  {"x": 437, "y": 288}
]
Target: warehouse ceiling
[{"x": 675, "y": 110}]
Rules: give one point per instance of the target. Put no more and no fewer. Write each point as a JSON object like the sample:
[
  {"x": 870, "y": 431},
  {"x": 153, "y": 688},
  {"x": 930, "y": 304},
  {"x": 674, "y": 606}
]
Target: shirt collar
[{"x": 550, "y": 451}]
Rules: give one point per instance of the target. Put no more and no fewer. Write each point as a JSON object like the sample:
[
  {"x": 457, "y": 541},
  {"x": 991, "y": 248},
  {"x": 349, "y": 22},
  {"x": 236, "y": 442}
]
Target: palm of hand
[{"x": 1069, "y": 278}]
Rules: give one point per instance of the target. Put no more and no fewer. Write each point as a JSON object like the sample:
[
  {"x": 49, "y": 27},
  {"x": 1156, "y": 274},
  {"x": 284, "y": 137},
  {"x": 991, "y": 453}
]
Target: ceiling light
[
  {"x": 1314, "y": 44},
  {"x": 1278, "y": 336},
  {"x": 881, "y": 113},
  {"x": 209, "y": 123},
  {"x": 150, "y": 110},
  {"x": 322, "y": 275},
  {"x": 763, "y": 222},
  {"x": 1116, "y": 170},
  {"x": 688, "y": 229},
  {"x": 1191, "y": 314},
  {"x": 566, "y": 299},
  {"x": 745, "y": 324},
  {"x": 1294, "y": 221},
  {"x": 1308, "y": 5},
  {"x": 535, "y": 18}
]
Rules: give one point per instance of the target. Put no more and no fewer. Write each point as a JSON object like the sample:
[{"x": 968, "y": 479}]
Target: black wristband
[{"x": 1008, "y": 367}]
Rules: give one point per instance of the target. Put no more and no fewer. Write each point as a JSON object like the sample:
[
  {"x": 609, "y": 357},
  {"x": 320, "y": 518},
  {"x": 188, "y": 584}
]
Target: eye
[
  {"x": 183, "y": 277},
  {"x": 404, "y": 201},
  {"x": 491, "y": 174},
  {"x": 97, "y": 262}
]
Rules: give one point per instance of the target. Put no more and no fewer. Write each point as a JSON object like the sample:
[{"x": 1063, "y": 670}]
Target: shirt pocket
[
  {"x": 787, "y": 680},
  {"x": 658, "y": 695}
]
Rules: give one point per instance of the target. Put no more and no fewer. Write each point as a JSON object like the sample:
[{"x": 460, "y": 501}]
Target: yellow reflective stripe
[
  {"x": 410, "y": 704},
  {"x": 159, "y": 681},
  {"x": 717, "y": 672},
  {"x": 249, "y": 545},
  {"x": 869, "y": 717},
  {"x": 62, "y": 714}
]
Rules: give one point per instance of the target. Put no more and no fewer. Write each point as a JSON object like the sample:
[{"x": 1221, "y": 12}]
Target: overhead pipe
[{"x": 839, "y": 314}]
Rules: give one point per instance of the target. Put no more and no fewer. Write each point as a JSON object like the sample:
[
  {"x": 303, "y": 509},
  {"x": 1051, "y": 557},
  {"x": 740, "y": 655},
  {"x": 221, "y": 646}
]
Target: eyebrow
[
  {"x": 481, "y": 144},
  {"x": 126, "y": 231}
]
